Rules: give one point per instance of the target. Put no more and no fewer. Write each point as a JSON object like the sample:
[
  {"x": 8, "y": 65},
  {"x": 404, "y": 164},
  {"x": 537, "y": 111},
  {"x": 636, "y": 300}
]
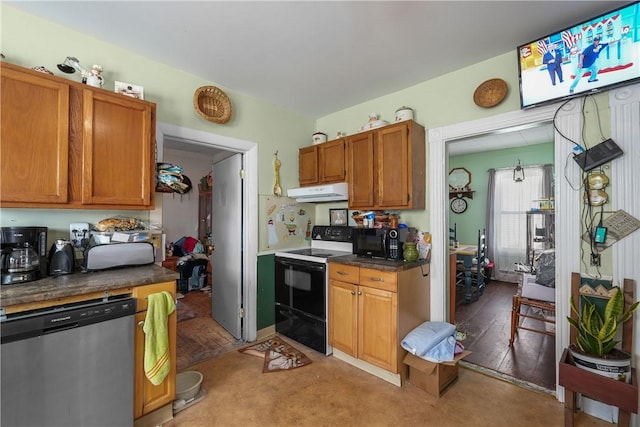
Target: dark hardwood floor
[
  {"x": 487, "y": 326},
  {"x": 199, "y": 337}
]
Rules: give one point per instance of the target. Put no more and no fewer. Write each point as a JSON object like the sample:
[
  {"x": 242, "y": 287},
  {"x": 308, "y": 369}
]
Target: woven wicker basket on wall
[{"x": 212, "y": 104}]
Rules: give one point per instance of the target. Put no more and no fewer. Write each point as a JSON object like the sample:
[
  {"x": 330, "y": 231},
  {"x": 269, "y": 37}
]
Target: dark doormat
[{"x": 278, "y": 355}]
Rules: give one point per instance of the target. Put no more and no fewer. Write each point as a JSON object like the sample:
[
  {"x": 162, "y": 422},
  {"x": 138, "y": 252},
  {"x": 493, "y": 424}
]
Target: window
[{"x": 511, "y": 201}]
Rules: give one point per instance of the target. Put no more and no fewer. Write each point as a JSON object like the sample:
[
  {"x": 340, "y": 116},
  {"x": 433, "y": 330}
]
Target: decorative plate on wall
[
  {"x": 212, "y": 104},
  {"x": 490, "y": 93}
]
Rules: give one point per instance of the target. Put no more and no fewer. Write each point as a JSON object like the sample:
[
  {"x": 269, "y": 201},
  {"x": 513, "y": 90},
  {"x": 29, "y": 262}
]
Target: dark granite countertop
[
  {"x": 50, "y": 288},
  {"x": 377, "y": 263}
]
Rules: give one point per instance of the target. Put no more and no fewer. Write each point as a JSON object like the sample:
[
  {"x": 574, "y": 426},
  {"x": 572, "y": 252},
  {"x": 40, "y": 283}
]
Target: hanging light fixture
[{"x": 518, "y": 173}]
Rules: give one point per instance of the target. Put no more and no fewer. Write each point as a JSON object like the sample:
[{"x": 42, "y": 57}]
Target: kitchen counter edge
[
  {"x": 78, "y": 284},
  {"x": 377, "y": 263}
]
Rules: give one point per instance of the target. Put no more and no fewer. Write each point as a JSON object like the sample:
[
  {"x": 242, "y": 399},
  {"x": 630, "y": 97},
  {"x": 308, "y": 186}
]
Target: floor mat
[{"x": 278, "y": 355}]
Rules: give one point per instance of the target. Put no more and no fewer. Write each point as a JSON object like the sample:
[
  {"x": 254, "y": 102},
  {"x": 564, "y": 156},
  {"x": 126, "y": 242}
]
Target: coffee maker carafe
[{"x": 24, "y": 254}]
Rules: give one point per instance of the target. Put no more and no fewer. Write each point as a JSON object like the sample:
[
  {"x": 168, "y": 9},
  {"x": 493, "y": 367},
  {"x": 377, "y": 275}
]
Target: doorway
[
  {"x": 567, "y": 202},
  {"x": 484, "y": 321},
  {"x": 219, "y": 146}
]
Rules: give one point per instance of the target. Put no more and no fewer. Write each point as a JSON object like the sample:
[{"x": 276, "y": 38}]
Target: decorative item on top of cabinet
[
  {"x": 89, "y": 148},
  {"x": 322, "y": 163},
  {"x": 386, "y": 167}
]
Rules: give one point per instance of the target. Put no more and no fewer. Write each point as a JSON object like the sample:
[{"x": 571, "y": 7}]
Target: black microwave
[{"x": 379, "y": 242}]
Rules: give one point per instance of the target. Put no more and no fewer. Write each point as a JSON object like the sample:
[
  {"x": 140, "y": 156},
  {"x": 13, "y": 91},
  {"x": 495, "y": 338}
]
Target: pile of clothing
[{"x": 192, "y": 263}]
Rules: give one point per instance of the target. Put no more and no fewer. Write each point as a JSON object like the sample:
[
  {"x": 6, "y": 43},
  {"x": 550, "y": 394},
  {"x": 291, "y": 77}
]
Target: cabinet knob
[
  {"x": 353, "y": 292},
  {"x": 359, "y": 292},
  {"x": 377, "y": 279},
  {"x": 342, "y": 273},
  {"x": 141, "y": 323}
]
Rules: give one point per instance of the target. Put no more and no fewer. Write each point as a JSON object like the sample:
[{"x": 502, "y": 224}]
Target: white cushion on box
[{"x": 530, "y": 289}]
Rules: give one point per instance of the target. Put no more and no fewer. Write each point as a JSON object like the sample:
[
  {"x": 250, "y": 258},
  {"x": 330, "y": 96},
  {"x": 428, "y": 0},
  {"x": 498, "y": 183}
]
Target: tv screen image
[{"x": 598, "y": 54}]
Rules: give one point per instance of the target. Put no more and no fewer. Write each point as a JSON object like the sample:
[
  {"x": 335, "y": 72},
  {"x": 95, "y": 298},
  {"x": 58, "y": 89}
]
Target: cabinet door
[
  {"x": 394, "y": 167},
  {"x": 118, "y": 150},
  {"x": 332, "y": 161},
  {"x": 34, "y": 138},
  {"x": 343, "y": 308},
  {"x": 361, "y": 168},
  {"x": 148, "y": 397},
  {"x": 308, "y": 165},
  {"x": 378, "y": 328}
]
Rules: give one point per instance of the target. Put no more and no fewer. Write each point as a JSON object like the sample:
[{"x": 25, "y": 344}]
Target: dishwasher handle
[{"x": 60, "y": 328}]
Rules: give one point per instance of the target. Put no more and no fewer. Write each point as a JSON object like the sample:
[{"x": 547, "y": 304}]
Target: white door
[{"x": 226, "y": 260}]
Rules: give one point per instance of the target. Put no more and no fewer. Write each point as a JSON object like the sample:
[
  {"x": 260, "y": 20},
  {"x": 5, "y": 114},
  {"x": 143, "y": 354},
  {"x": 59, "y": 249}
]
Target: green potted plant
[{"x": 597, "y": 331}]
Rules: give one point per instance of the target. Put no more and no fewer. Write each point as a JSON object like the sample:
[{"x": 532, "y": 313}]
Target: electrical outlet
[
  {"x": 595, "y": 260},
  {"x": 77, "y": 232}
]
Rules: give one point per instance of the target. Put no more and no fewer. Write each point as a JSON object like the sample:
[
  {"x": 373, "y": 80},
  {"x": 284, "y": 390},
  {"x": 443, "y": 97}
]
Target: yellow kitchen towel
[{"x": 157, "y": 361}]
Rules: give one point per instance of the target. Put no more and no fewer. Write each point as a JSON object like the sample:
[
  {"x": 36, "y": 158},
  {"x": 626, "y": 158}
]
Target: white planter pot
[{"x": 615, "y": 368}]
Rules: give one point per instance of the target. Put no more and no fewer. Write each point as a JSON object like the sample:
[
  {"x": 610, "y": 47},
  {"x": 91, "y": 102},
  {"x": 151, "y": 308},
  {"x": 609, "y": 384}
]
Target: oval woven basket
[{"x": 212, "y": 104}]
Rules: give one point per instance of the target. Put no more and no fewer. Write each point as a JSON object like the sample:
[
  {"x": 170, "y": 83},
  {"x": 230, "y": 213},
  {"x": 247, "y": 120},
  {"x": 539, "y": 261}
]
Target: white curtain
[{"x": 511, "y": 201}]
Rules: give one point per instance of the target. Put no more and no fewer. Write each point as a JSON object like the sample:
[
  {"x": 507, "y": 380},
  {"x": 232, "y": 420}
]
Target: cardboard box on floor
[{"x": 434, "y": 378}]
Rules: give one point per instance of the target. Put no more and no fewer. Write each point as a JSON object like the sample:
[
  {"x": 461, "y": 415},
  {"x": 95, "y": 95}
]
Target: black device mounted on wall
[{"x": 595, "y": 156}]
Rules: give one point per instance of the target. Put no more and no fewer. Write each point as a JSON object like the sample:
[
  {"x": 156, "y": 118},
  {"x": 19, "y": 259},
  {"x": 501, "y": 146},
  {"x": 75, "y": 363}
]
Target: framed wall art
[
  {"x": 128, "y": 89},
  {"x": 338, "y": 217}
]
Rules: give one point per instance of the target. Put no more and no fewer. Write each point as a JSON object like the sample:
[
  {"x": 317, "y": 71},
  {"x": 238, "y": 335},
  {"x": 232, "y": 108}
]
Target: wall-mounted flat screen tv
[{"x": 595, "y": 55}]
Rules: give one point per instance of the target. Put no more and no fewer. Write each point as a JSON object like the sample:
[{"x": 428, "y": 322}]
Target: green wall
[
  {"x": 266, "y": 291},
  {"x": 478, "y": 164}
]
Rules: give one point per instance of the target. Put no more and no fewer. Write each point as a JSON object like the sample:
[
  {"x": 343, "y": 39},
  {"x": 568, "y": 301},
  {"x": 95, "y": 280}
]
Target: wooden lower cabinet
[
  {"x": 149, "y": 398},
  {"x": 371, "y": 310}
]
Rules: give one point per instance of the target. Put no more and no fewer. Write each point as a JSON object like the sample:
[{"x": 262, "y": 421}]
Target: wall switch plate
[{"x": 77, "y": 232}]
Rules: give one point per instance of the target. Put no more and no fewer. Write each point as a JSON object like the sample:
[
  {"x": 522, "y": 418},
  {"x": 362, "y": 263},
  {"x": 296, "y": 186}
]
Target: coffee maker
[{"x": 24, "y": 254}]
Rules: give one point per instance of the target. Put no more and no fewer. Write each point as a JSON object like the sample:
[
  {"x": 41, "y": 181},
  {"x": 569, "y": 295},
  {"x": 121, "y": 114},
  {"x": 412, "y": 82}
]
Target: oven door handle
[{"x": 309, "y": 266}]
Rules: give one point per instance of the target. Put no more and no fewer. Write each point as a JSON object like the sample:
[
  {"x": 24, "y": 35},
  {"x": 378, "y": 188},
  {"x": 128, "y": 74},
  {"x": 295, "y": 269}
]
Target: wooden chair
[
  {"x": 517, "y": 315},
  {"x": 606, "y": 390},
  {"x": 453, "y": 234},
  {"x": 470, "y": 276}
]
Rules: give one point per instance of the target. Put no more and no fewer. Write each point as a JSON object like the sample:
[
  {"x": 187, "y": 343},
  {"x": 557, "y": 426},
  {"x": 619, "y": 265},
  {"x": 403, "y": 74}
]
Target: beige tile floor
[{"x": 330, "y": 392}]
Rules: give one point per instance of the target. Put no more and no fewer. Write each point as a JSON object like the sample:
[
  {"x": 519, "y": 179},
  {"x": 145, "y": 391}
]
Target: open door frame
[
  {"x": 250, "y": 203},
  {"x": 567, "y": 203}
]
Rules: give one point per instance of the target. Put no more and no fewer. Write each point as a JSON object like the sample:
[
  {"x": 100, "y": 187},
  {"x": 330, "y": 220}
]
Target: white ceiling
[{"x": 316, "y": 57}]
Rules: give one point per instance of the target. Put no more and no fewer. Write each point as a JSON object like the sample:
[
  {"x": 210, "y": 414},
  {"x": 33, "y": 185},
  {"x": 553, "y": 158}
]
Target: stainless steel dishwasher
[{"x": 69, "y": 365}]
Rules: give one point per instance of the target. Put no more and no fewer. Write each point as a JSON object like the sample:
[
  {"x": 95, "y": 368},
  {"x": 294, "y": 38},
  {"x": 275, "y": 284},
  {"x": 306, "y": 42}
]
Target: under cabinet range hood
[{"x": 320, "y": 193}]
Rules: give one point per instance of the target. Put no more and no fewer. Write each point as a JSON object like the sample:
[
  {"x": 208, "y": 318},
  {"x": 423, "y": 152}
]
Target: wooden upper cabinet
[
  {"x": 387, "y": 167},
  {"x": 362, "y": 169},
  {"x": 69, "y": 145},
  {"x": 331, "y": 157},
  {"x": 34, "y": 140},
  {"x": 117, "y": 147},
  {"x": 322, "y": 163},
  {"x": 308, "y": 165}
]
